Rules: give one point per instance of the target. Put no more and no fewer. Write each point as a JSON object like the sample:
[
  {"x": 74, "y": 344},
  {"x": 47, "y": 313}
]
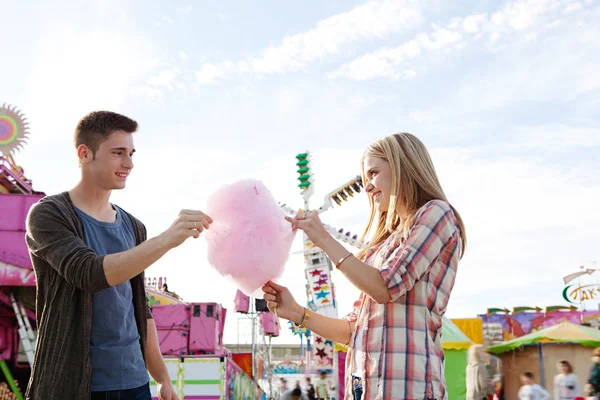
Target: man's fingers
[
  {"x": 194, "y": 226},
  {"x": 196, "y": 213}
]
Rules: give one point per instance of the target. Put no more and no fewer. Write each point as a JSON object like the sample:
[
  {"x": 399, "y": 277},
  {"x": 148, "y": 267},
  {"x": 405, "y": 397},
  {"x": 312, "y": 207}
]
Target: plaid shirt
[{"x": 402, "y": 354}]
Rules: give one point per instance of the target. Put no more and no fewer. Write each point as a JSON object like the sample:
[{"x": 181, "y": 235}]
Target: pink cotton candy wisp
[{"x": 249, "y": 240}]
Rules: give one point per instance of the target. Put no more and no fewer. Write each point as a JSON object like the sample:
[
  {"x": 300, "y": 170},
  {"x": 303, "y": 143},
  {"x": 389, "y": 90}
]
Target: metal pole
[
  {"x": 541, "y": 366},
  {"x": 270, "y": 365}
]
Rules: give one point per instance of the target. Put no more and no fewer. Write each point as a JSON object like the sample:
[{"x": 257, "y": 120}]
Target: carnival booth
[
  {"x": 456, "y": 345},
  {"x": 540, "y": 351}
]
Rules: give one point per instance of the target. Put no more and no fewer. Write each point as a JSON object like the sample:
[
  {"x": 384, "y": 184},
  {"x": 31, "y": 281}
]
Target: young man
[
  {"x": 96, "y": 335},
  {"x": 531, "y": 390},
  {"x": 322, "y": 386}
]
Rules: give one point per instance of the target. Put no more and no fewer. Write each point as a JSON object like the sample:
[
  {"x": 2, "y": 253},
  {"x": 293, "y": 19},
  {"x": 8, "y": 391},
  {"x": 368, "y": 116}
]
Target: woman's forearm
[
  {"x": 334, "y": 329},
  {"x": 366, "y": 278}
]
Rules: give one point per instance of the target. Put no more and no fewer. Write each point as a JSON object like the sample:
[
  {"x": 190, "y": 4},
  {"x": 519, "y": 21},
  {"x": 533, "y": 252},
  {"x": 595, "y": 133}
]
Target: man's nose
[{"x": 128, "y": 163}]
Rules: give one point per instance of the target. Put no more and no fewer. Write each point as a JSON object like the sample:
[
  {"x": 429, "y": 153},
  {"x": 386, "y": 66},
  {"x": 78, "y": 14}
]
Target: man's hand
[
  {"x": 189, "y": 223},
  {"x": 166, "y": 391}
]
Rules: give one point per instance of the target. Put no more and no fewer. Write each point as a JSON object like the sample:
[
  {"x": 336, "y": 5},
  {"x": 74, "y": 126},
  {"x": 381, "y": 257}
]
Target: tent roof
[
  {"x": 565, "y": 332},
  {"x": 452, "y": 337}
]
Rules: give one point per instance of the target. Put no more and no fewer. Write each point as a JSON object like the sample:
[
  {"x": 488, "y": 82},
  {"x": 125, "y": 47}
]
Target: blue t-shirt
[{"x": 116, "y": 356}]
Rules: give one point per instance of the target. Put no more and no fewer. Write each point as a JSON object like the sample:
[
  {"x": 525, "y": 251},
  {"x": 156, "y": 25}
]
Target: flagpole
[{"x": 581, "y": 306}]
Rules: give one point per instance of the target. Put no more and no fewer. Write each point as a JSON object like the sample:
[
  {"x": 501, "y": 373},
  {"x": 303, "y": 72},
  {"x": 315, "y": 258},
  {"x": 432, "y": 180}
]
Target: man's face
[{"x": 113, "y": 162}]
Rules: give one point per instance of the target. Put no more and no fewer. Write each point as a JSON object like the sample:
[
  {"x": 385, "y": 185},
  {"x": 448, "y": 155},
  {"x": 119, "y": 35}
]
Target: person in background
[
  {"x": 310, "y": 390},
  {"x": 498, "y": 389},
  {"x": 593, "y": 384},
  {"x": 294, "y": 394},
  {"x": 283, "y": 387},
  {"x": 477, "y": 376},
  {"x": 165, "y": 289},
  {"x": 322, "y": 387},
  {"x": 357, "y": 386},
  {"x": 531, "y": 390},
  {"x": 566, "y": 384}
]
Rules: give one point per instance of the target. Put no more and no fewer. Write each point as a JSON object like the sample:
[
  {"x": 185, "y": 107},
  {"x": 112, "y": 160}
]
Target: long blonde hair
[{"x": 414, "y": 183}]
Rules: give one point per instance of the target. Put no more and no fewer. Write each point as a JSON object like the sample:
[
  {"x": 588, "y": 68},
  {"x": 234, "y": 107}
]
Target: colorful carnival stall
[
  {"x": 456, "y": 345},
  {"x": 540, "y": 351}
]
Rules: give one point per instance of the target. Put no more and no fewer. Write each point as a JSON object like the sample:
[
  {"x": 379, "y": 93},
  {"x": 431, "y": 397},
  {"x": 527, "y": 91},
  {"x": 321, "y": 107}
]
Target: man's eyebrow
[{"x": 123, "y": 149}]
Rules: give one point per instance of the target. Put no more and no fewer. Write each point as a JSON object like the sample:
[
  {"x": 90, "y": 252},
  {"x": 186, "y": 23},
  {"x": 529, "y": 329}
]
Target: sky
[{"x": 505, "y": 95}]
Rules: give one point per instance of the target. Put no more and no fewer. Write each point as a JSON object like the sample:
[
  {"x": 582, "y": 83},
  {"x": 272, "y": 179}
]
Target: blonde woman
[
  {"x": 405, "y": 275},
  {"x": 477, "y": 376}
]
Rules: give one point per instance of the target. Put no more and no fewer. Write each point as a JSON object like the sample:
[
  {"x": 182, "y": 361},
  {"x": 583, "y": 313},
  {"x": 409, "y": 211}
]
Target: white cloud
[
  {"x": 516, "y": 17},
  {"x": 165, "y": 78},
  {"x": 568, "y": 60},
  {"x": 183, "y": 11},
  {"x": 151, "y": 94},
  {"x": 390, "y": 63},
  {"x": 78, "y": 70},
  {"x": 210, "y": 73},
  {"x": 558, "y": 138},
  {"x": 373, "y": 20}
]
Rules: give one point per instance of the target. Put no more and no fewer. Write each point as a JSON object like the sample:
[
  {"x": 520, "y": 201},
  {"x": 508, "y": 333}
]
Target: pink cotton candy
[{"x": 249, "y": 240}]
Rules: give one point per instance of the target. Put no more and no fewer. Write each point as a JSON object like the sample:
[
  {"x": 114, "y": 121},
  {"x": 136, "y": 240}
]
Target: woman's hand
[
  {"x": 279, "y": 297},
  {"x": 310, "y": 224}
]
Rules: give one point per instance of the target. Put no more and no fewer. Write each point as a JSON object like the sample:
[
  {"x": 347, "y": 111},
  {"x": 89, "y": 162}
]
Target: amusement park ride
[
  {"x": 190, "y": 334},
  {"x": 320, "y": 289},
  {"x": 17, "y": 279}
]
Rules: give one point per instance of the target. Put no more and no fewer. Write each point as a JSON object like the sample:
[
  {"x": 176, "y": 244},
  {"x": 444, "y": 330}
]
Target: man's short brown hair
[{"x": 94, "y": 128}]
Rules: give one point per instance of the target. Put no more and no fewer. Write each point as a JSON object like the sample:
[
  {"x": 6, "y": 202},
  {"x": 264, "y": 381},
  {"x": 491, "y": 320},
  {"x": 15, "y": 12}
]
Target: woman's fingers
[
  {"x": 294, "y": 223},
  {"x": 275, "y": 286},
  {"x": 272, "y": 305},
  {"x": 268, "y": 289},
  {"x": 270, "y": 297}
]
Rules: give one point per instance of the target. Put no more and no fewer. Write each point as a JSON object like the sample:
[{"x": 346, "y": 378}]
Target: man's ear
[{"x": 84, "y": 154}]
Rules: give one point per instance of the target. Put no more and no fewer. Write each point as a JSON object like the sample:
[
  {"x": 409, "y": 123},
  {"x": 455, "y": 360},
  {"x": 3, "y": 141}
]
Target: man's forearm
[
  {"x": 121, "y": 267},
  {"x": 154, "y": 360}
]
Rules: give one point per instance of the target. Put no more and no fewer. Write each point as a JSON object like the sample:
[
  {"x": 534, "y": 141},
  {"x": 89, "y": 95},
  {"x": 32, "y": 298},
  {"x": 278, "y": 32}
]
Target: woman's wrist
[{"x": 298, "y": 315}]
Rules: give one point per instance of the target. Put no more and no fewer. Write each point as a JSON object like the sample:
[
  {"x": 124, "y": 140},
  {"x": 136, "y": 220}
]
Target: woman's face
[{"x": 379, "y": 181}]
